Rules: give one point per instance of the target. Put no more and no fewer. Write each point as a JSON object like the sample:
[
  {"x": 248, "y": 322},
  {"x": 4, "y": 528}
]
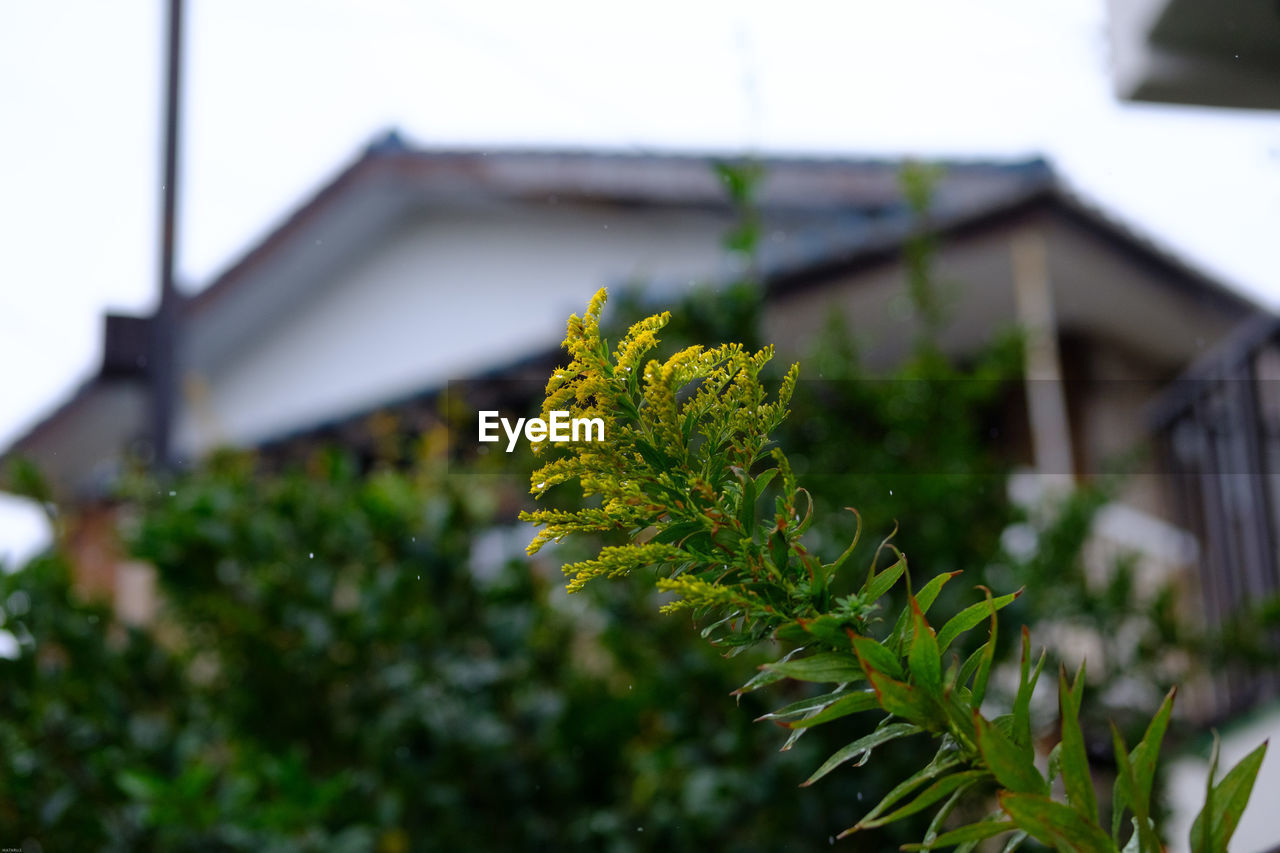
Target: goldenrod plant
[{"x": 683, "y": 470}]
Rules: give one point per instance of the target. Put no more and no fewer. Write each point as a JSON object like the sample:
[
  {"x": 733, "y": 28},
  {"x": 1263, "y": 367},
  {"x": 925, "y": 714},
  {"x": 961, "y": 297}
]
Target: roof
[{"x": 851, "y": 209}]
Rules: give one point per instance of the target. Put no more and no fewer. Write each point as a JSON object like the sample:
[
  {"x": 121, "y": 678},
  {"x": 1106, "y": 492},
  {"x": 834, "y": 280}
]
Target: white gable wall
[{"x": 445, "y": 295}]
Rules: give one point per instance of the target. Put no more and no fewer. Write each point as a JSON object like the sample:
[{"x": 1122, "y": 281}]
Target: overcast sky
[{"x": 281, "y": 94}]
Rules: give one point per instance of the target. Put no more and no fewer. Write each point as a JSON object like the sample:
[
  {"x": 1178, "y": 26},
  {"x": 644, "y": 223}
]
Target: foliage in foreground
[
  {"x": 360, "y": 659},
  {"x": 685, "y": 468}
]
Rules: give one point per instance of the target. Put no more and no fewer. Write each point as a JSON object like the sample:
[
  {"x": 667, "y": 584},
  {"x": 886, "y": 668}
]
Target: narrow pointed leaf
[
  {"x": 944, "y": 787},
  {"x": 1134, "y": 844},
  {"x": 824, "y": 667},
  {"x": 1202, "y": 827},
  {"x": 1144, "y": 836},
  {"x": 765, "y": 478},
  {"x": 747, "y": 510},
  {"x": 924, "y": 659},
  {"x": 1076, "y": 777},
  {"x": 1122, "y": 795},
  {"x": 827, "y": 627},
  {"x": 1144, "y": 755},
  {"x": 857, "y": 534},
  {"x": 803, "y": 706},
  {"x": 766, "y": 676},
  {"x": 861, "y": 748},
  {"x": 1014, "y": 842},
  {"x": 1055, "y": 824},
  {"x": 942, "y": 763},
  {"x": 970, "y": 666},
  {"x": 973, "y": 832},
  {"x": 941, "y": 815},
  {"x": 901, "y": 700},
  {"x": 925, "y": 598},
  {"x": 878, "y": 585},
  {"x": 871, "y": 652},
  {"x": 1028, "y": 678},
  {"x": 852, "y": 703},
  {"x": 1223, "y": 808},
  {"x": 985, "y": 660},
  {"x": 970, "y": 617},
  {"x": 1011, "y": 764}
]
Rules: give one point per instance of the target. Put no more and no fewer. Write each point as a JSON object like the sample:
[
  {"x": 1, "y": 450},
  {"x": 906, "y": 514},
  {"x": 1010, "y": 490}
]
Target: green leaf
[
  {"x": 941, "y": 815},
  {"x": 1026, "y": 688},
  {"x": 924, "y": 660},
  {"x": 1076, "y": 777},
  {"x": 804, "y": 523},
  {"x": 877, "y": 585},
  {"x": 848, "y": 552},
  {"x": 1054, "y": 824},
  {"x": 780, "y": 551},
  {"x": 872, "y": 652},
  {"x": 823, "y": 667},
  {"x": 1135, "y": 841},
  {"x": 1225, "y": 802},
  {"x": 902, "y": 700},
  {"x": 1011, "y": 764},
  {"x": 827, "y": 627},
  {"x": 983, "y": 674},
  {"x": 944, "y": 787},
  {"x": 862, "y": 748},
  {"x": 927, "y": 595},
  {"x": 970, "y": 617},
  {"x": 973, "y": 832},
  {"x": 765, "y": 478},
  {"x": 971, "y": 664},
  {"x": 943, "y": 761},
  {"x": 1055, "y": 762},
  {"x": 674, "y": 534},
  {"x": 1014, "y": 842},
  {"x": 766, "y": 676},
  {"x": 1144, "y": 837},
  {"x": 804, "y": 706},
  {"x": 929, "y": 592},
  {"x": 851, "y": 703},
  {"x": 747, "y": 510},
  {"x": 1147, "y": 752},
  {"x": 960, "y": 718}
]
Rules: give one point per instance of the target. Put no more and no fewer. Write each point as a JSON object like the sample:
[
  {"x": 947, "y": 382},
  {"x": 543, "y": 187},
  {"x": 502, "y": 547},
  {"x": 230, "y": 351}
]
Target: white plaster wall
[
  {"x": 442, "y": 297},
  {"x": 1258, "y": 831}
]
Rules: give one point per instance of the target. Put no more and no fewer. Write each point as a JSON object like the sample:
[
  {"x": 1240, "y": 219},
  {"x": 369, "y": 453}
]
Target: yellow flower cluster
[
  {"x": 697, "y": 593},
  {"x": 620, "y": 560},
  {"x": 675, "y": 431}
]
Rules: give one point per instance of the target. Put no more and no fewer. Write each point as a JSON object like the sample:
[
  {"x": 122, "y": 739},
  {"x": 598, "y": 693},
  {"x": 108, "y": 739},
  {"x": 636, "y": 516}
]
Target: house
[
  {"x": 1221, "y": 54},
  {"x": 412, "y": 268}
]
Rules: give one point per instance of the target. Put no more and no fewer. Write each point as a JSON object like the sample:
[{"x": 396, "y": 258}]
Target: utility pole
[{"x": 162, "y": 367}]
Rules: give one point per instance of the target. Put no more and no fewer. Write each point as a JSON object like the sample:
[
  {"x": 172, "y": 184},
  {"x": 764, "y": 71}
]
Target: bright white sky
[{"x": 280, "y": 95}]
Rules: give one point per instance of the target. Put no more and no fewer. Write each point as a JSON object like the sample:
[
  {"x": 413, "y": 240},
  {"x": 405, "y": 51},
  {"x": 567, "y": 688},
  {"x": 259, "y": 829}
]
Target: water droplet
[
  {"x": 891, "y": 491},
  {"x": 311, "y": 556}
]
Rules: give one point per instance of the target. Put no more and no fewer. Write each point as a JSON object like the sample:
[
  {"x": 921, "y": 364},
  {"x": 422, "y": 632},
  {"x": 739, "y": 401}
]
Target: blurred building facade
[
  {"x": 413, "y": 268},
  {"x": 1220, "y": 54}
]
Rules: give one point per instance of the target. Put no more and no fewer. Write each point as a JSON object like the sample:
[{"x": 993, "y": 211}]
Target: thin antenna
[{"x": 163, "y": 372}]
